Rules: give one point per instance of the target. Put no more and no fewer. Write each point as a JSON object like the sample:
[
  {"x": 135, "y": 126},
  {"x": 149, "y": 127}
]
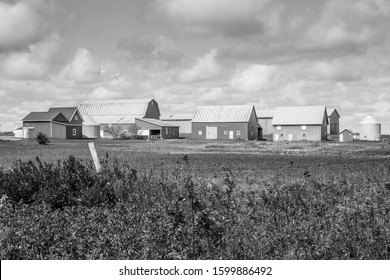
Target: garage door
[{"x": 211, "y": 132}]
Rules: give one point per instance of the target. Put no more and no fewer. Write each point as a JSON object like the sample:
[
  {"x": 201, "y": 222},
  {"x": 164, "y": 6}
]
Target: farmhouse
[
  {"x": 333, "y": 121},
  {"x": 52, "y": 124},
  {"x": 114, "y": 117},
  {"x": 264, "y": 118},
  {"x": 225, "y": 122},
  {"x": 346, "y": 135},
  {"x": 300, "y": 123},
  {"x": 72, "y": 114},
  {"x": 156, "y": 129},
  {"x": 181, "y": 120}
]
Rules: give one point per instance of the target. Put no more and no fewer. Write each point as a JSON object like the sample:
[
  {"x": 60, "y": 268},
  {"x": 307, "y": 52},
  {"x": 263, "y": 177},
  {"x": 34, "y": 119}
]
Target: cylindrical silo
[{"x": 370, "y": 129}]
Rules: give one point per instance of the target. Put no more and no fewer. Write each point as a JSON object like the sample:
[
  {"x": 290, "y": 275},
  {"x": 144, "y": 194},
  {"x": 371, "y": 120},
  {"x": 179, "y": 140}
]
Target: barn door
[
  {"x": 341, "y": 138},
  {"x": 231, "y": 134},
  {"x": 290, "y": 137},
  {"x": 211, "y": 132}
]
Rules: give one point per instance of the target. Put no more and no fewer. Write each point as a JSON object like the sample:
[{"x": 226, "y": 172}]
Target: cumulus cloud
[
  {"x": 234, "y": 18},
  {"x": 22, "y": 23},
  {"x": 103, "y": 93},
  {"x": 83, "y": 68},
  {"x": 205, "y": 68}
]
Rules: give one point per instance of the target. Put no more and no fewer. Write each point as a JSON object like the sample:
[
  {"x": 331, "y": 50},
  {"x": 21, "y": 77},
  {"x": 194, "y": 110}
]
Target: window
[
  {"x": 225, "y": 132},
  {"x": 303, "y": 127},
  {"x": 200, "y": 132},
  {"x": 278, "y": 127},
  {"x": 238, "y": 132},
  {"x": 76, "y": 117},
  {"x": 74, "y": 132}
]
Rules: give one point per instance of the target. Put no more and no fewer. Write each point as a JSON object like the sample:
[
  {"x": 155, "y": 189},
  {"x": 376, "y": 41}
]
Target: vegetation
[
  {"x": 42, "y": 139},
  {"x": 196, "y": 207}
]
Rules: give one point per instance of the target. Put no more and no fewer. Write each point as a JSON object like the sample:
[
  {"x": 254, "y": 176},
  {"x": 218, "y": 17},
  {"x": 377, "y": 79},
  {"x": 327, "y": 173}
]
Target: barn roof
[
  {"x": 299, "y": 115},
  {"x": 156, "y": 122},
  {"x": 369, "y": 120},
  {"x": 117, "y": 107},
  {"x": 41, "y": 116},
  {"x": 68, "y": 112},
  {"x": 264, "y": 114},
  {"x": 329, "y": 112},
  {"x": 233, "y": 113},
  {"x": 348, "y": 130},
  {"x": 177, "y": 117},
  {"x": 88, "y": 120}
]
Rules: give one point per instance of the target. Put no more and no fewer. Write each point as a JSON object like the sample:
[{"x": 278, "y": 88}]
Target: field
[{"x": 183, "y": 199}]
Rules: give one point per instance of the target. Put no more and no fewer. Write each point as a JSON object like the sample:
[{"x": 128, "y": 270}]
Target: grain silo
[{"x": 370, "y": 129}]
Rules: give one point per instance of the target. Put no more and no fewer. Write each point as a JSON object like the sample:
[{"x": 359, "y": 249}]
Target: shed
[
  {"x": 346, "y": 135},
  {"x": 117, "y": 116},
  {"x": 297, "y": 123},
  {"x": 264, "y": 119},
  {"x": 157, "y": 129},
  {"x": 52, "y": 124},
  {"x": 333, "y": 121},
  {"x": 18, "y": 130},
  {"x": 370, "y": 129},
  {"x": 75, "y": 120},
  {"x": 181, "y": 120},
  {"x": 225, "y": 122}
]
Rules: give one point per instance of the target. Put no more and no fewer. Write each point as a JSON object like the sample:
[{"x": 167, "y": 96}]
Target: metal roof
[
  {"x": 41, "y": 116},
  {"x": 234, "y": 113},
  {"x": 88, "y": 120},
  {"x": 264, "y": 114},
  {"x": 156, "y": 122},
  {"x": 68, "y": 112},
  {"x": 369, "y": 120},
  {"x": 117, "y": 107},
  {"x": 330, "y": 112},
  {"x": 299, "y": 115},
  {"x": 177, "y": 117}
]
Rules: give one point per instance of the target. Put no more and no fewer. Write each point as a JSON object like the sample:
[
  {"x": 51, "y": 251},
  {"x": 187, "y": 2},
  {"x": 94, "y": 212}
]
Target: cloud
[
  {"x": 33, "y": 63},
  {"x": 3, "y": 93},
  {"x": 103, "y": 93},
  {"x": 205, "y": 68},
  {"x": 235, "y": 18},
  {"x": 23, "y": 23},
  {"x": 83, "y": 68}
]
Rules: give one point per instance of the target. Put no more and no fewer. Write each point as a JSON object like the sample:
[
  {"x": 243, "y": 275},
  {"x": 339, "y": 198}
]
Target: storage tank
[{"x": 370, "y": 129}]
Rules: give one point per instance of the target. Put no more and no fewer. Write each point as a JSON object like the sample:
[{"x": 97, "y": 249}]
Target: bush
[{"x": 42, "y": 139}]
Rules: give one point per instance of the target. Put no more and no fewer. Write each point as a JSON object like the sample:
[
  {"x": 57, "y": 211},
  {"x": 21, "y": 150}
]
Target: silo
[{"x": 370, "y": 129}]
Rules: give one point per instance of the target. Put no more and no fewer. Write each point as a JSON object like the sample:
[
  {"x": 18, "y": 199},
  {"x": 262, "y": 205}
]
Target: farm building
[
  {"x": 346, "y": 135},
  {"x": 225, "y": 122},
  {"x": 156, "y": 129},
  {"x": 333, "y": 121},
  {"x": 297, "y": 123},
  {"x": 18, "y": 130},
  {"x": 181, "y": 120},
  {"x": 115, "y": 117},
  {"x": 264, "y": 118},
  {"x": 370, "y": 129},
  {"x": 90, "y": 128},
  {"x": 74, "y": 125},
  {"x": 52, "y": 124}
]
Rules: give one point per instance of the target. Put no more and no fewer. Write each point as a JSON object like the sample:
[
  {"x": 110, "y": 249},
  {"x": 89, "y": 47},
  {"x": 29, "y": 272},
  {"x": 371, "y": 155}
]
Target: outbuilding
[
  {"x": 225, "y": 122},
  {"x": 52, "y": 124},
  {"x": 116, "y": 117},
  {"x": 156, "y": 129},
  {"x": 370, "y": 129},
  {"x": 264, "y": 119},
  {"x": 181, "y": 120},
  {"x": 346, "y": 135},
  {"x": 333, "y": 121},
  {"x": 75, "y": 120},
  {"x": 298, "y": 123}
]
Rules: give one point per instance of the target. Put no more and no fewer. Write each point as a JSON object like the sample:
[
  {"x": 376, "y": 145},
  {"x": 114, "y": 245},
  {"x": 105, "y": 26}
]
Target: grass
[{"x": 184, "y": 200}]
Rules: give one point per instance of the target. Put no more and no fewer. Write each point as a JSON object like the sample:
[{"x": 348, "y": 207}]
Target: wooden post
[{"x": 94, "y": 156}]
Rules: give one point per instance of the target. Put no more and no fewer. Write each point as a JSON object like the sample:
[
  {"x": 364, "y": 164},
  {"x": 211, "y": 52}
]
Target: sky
[{"x": 185, "y": 53}]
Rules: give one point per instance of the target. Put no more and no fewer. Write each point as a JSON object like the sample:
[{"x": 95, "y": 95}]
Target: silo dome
[{"x": 370, "y": 129}]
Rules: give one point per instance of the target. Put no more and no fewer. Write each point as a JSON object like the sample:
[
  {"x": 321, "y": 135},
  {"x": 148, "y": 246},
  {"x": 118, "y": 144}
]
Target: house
[
  {"x": 181, "y": 120},
  {"x": 114, "y": 117},
  {"x": 52, "y": 124},
  {"x": 75, "y": 120},
  {"x": 333, "y": 121},
  {"x": 346, "y": 135},
  {"x": 297, "y": 123},
  {"x": 157, "y": 129},
  {"x": 225, "y": 122},
  {"x": 264, "y": 119}
]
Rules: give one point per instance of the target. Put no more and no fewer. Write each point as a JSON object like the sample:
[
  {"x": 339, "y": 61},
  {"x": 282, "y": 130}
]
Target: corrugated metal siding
[
  {"x": 217, "y": 114},
  {"x": 299, "y": 115},
  {"x": 312, "y": 132},
  {"x": 44, "y": 127},
  {"x": 58, "y": 131},
  {"x": 221, "y": 129}
]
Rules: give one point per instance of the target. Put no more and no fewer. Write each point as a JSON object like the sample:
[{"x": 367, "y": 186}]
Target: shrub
[{"x": 42, "y": 139}]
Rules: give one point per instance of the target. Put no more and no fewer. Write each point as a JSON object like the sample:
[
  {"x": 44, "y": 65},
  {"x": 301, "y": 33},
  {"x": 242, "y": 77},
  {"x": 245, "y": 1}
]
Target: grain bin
[{"x": 370, "y": 129}]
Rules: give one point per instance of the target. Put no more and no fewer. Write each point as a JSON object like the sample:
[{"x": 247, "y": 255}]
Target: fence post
[{"x": 95, "y": 158}]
